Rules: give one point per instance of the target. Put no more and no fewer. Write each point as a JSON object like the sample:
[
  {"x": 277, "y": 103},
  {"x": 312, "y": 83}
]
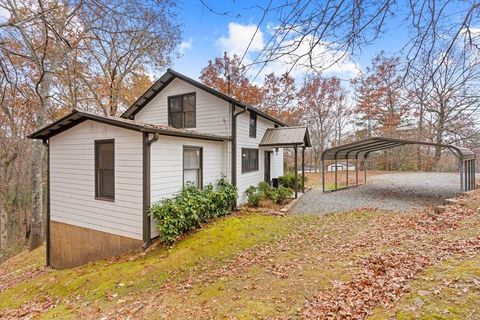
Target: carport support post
[
  {"x": 467, "y": 176},
  {"x": 323, "y": 174},
  {"x": 365, "y": 171},
  {"x": 346, "y": 161},
  {"x": 336, "y": 172},
  {"x": 462, "y": 169},
  {"x": 296, "y": 171},
  {"x": 356, "y": 169},
  {"x": 303, "y": 169}
]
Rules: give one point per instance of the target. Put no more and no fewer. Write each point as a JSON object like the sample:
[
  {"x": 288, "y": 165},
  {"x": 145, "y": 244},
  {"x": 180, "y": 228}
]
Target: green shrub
[
  {"x": 281, "y": 194},
  {"x": 288, "y": 180},
  {"x": 254, "y": 196},
  {"x": 191, "y": 207},
  {"x": 266, "y": 189}
]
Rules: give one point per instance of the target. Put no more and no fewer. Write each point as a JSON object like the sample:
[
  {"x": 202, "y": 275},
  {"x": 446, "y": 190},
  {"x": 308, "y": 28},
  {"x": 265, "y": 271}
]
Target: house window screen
[
  {"x": 105, "y": 169},
  {"x": 253, "y": 126},
  {"x": 182, "y": 111},
  {"x": 192, "y": 166},
  {"x": 249, "y": 160}
]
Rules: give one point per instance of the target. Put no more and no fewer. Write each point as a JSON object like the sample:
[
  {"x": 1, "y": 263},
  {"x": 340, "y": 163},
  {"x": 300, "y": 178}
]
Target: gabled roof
[
  {"x": 286, "y": 137},
  {"x": 77, "y": 117},
  {"x": 168, "y": 77},
  {"x": 361, "y": 149}
]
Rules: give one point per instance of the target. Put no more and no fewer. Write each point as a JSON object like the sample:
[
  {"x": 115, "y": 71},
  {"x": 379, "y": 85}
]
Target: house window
[
  {"x": 192, "y": 166},
  {"x": 105, "y": 169},
  {"x": 253, "y": 125},
  {"x": 181, "y": 111},
  {"x": 249, "y": 160}
]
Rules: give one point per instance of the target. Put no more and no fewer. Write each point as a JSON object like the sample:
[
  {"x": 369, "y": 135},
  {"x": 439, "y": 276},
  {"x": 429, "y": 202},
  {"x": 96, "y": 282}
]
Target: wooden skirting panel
[{"x": 72, "y": 246}]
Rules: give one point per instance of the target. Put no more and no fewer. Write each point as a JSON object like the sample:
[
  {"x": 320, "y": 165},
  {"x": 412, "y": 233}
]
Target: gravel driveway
[{"x": 395, "y": 191}]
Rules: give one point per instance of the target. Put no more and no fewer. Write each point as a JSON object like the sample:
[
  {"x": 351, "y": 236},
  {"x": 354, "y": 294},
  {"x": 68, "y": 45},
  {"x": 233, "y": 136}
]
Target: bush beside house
[
  {"x": 288, "y": 180},
  {"x": 192, "y": 207},
  {"x": 255, "y": 195}
]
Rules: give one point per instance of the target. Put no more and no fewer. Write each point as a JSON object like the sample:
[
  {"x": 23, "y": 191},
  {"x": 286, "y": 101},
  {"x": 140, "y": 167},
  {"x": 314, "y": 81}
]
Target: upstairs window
[
  {"x": 182, "y": 111},
  {"x": 253, "y": 126},
  {"x": 192, "y": 166},
  {"x": 249, "y": 160},
  {"x": 105, "y": 169}
]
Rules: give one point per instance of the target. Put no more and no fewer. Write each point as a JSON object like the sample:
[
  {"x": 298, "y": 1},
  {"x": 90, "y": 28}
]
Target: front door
[{"x": 267, "y": 165}]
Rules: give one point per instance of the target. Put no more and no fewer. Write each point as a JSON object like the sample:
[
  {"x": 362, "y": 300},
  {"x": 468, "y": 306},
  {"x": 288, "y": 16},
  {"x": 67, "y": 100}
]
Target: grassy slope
[
  {"x": 97, "y": 283},
  {"x": 245, "y": 266}
]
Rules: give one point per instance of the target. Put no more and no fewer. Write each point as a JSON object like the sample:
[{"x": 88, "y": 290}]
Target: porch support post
[
  {"x": 303, "y": 169},
  {"x": 296, "y": 171}
]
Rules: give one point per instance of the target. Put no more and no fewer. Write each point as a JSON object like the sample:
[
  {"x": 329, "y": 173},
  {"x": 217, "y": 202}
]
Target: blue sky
[{"x": 207, "y": 35}]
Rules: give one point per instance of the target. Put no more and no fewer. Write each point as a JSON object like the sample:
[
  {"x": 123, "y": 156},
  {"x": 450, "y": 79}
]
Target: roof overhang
[
  {"x": 76, "y": 117},
  {"x": 169, "y": 76},
  {"x": 363, "y": 148},
  {"x": 286, "y": 137}
]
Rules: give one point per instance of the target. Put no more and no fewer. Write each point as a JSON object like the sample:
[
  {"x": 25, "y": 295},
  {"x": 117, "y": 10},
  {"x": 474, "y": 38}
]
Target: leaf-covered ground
[{"x": 354, "y": 265}]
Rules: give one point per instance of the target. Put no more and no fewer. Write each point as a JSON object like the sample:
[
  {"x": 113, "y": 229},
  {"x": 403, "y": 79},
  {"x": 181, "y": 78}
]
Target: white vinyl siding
[
  {"x": 277, "y": 163},
  {"x": 212, "y": 113},
  {"x": 167, "y": 165},
  {"x": 245, "y": 180},
  {"x": 72, "y": 180}
]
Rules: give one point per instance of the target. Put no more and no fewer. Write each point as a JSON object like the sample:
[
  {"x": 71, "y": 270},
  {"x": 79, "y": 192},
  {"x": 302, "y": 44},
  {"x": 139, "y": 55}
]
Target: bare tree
[
  {"x": 318, "y": 100},
  {"x": 447, "y": 94},
  {"x": 125, "y": 37},
  {"x": 37, "y": 32}
]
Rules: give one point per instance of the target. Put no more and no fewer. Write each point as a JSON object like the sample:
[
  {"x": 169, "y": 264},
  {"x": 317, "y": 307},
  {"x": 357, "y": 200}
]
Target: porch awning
[{"x": 286, "y": 137}]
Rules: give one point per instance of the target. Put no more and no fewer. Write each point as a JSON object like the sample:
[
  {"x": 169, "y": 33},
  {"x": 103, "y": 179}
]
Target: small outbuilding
[{"x": 341, "y": 166}]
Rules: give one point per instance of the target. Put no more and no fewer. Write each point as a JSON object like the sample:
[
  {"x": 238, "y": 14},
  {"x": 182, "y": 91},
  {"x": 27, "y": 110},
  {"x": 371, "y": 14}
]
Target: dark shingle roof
[{"x": 76, "y": 117}]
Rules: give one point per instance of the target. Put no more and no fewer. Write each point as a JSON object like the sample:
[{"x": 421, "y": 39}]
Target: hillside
[{"x": 356, "y": 265}]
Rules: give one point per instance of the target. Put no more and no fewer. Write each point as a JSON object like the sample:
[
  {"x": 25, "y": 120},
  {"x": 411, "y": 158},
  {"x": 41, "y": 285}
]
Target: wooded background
[{"x": 99, "y": 56}]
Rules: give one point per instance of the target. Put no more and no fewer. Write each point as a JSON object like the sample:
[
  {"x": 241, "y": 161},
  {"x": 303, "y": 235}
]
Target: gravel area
[{"x": 395, "y": 191}]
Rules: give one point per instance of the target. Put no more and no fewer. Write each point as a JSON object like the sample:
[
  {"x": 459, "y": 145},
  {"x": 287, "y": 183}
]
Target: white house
[
  {"x": 341, "y": 166},
  {"x": 104, "y": 172}
]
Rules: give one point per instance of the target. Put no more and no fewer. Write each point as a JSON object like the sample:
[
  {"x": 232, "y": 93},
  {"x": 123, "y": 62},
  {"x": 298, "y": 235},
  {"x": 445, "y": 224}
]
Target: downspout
[
  {"x": 234, "y": 142},
  {"x": 46, "y": 143},
  {"x": 146, "y": 234}
]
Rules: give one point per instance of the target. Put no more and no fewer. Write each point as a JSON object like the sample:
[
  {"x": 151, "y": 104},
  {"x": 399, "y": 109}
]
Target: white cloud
[
  {"x": 185, "y": 45},
  {"x": 239, "y": 36},
  {"x": 323, "y": 57}
]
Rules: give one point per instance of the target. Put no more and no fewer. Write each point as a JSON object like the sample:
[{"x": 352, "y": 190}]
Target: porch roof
[{"x": 286, "y": 137}]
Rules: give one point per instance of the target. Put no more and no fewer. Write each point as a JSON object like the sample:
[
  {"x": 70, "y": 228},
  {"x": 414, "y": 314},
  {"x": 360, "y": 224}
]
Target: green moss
[{"x": 218, "y": 241}]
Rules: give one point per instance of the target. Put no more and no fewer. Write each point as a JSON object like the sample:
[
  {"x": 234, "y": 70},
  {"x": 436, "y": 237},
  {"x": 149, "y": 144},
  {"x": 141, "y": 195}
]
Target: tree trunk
[
  {"x": 36, "y": 220},
  {"x": 38, "y": 154},
  {"x": 3, "y": 227}
]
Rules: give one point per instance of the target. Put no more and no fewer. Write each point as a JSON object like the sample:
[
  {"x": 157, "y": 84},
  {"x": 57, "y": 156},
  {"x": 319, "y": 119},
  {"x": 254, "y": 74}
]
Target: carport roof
[{"x": 361, "y": 149}]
